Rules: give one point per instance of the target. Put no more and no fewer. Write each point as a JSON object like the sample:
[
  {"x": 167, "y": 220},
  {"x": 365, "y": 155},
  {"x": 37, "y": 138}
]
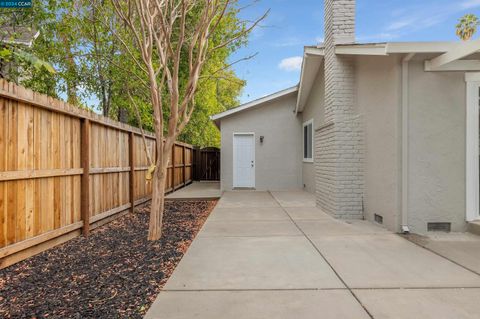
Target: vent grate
[
  {"x": 441, "y": 227},
  {"x": 378, "y": 219}
]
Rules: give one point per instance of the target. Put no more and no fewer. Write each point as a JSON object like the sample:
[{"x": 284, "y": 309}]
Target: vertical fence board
[
  {"x": 3, "y": 214},
  {"x": 131, "y": 156}
]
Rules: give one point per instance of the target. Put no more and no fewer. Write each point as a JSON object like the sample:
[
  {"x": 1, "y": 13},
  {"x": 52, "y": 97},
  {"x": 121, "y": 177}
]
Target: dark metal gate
[{"x": 206, "y": 164}]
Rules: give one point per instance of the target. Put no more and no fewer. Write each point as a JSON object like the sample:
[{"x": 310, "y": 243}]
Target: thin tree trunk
[
  {"x": 71, "y": 68},
  {"x": 158, "y": 203},
  {"x": 122, "y": 115}
]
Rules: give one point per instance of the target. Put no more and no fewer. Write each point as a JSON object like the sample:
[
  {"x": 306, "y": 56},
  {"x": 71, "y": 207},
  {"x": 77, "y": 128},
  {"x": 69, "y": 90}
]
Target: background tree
[
  {"x": 467, "y": 26},
  {"x": 172, "y": 35},
  {"x": 18, "y": 62},
  {"x": 80, "y": 39}
]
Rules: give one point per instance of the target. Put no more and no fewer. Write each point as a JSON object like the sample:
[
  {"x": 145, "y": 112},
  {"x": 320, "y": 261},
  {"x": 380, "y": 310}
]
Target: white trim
[
  {"x": 419, "y": 47},
  {"x": 455, "y": 66},
  {"x": 404, "y": 135},
  {"x": 234, "y": 158},
  {"x": 396, "y": 48},
  {"x": 310, "y": 67},
  {"x": 307, "y": 160},
  {"x": 362, "y": 49},
  {"x": 472, "y": 77},
  {"x": 314, "y": 51},
  {"x": 461, "y": 50},
  {"x": 472, "y": 147},
  {"x": 451, "y": 50},
  {"x": 254, "y": 103}
]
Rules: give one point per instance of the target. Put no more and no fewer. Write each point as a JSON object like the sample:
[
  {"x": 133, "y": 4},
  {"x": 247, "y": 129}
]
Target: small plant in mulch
[{"x": 114, "y": 273}]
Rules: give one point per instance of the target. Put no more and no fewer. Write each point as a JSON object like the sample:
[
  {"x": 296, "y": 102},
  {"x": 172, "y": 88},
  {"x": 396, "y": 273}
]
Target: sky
[{"x": 290, "y": 25}]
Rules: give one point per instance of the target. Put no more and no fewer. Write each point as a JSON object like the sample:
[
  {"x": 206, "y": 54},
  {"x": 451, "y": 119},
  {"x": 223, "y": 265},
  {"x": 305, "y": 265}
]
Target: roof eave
[
  {"x": 22, "y": 42},
  {"x": 395, "y": 48},
  {"x": 271, "y": 97},
  {"x": 304, "y": 86}
]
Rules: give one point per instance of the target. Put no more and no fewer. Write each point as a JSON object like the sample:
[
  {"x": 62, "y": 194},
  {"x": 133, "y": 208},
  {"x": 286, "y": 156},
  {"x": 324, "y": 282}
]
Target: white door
[{"x": 243, "y": 160}]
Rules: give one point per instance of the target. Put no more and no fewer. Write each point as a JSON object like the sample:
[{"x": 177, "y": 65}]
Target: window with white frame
[{"x": 308, "y": 141}]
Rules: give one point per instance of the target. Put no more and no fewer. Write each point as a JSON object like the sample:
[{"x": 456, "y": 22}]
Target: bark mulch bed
[{"x": 115, "y": 273}]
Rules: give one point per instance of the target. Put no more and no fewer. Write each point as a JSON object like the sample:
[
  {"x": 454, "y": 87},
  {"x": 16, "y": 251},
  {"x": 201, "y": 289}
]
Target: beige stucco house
[{"x": 388, "y": 132}]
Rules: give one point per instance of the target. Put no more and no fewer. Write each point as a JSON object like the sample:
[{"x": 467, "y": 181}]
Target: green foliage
[
  {"x": 467, "y": 26},
  {"x": 33, "y": 61},
  {"x": 219, "y": 88},
  {"x": 17, "y": 60},
  {"x": 78, "y": 55}
]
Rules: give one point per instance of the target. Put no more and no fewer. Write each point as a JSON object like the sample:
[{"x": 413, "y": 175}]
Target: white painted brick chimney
[
  {"x": 339, "y": 21},
  {"x": 339, "y": 143}
]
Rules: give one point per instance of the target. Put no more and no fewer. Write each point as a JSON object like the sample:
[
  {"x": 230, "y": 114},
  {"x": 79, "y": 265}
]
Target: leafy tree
[
  {"x": 59, "y": 44},
  {"x": 81, "y": 40},
  {"x": 18, "y": 62},
  {"x": 467, "y": 26}
]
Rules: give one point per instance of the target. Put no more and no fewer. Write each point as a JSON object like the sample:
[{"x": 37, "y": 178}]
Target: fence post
[
  {"x": 85, "y": 189},
  {"x": 131, "y": 151},
  {"x": 173, "y": 167},
  {"x": 184, "y": 166}
]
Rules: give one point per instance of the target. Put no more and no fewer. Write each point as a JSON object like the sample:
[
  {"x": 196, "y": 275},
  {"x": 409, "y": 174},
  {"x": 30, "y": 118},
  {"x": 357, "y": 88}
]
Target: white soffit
[
  {"x": 312, "y": 60},
  {"x": 419, "y": 47},
  {"x": 396, "y": 48},
  {"x": 453, "y": 56},
  {"x": 362, "y": 49},
  {"x": 449, "y": 57}
]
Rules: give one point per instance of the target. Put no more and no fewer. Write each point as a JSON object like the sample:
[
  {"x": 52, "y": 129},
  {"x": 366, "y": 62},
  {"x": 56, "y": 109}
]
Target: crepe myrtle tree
[{"x": 164, "y": 36}]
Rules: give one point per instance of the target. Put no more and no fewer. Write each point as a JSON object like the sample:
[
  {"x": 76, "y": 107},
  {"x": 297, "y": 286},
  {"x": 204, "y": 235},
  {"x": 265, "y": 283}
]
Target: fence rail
[{"x": 64, "y": 170}]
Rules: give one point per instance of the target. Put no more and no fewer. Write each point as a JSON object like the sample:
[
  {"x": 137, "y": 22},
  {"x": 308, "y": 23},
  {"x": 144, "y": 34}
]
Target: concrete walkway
[
  {"x": 197, "y": 190},
  {"x": 274, "y": 255}
]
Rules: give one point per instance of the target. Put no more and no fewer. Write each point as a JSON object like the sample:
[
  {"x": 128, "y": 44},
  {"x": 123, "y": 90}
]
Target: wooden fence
[
  {"x": 64, "y": 170},
  {"x": 207, "y": 164}
]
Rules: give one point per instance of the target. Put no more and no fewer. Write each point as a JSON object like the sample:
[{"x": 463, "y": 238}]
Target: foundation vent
[
  {"x": 440, "y": 227},
  {"x": 378, "y": 218}
]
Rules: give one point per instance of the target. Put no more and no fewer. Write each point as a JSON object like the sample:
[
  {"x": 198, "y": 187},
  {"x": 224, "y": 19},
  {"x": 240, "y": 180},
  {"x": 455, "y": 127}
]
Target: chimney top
[{"x": 339, "y": 22}]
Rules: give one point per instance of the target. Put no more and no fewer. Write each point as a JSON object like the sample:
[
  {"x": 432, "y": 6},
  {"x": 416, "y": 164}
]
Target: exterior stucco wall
[
  {"x": 314, "y": 109},
  {"x": 436, "y": 138},
  {"x": 278, "y": 160},
  {"x": 436, "y": 148},
  {"x": 378, "y": 81}
]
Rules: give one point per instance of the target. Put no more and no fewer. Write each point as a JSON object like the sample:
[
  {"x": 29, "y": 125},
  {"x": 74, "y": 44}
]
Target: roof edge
[
  {"x": 386, "y": 48},
  {"x": 254, "y": 103},
  {"x": 308, "y": 52}
]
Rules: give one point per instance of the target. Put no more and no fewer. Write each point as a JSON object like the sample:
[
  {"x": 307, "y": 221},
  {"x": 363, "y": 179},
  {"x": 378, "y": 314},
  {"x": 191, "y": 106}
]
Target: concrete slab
[
  {"x": 332, "y": 227},
  {"x": 463, "y": 248},
  {"x": 197, "y": 190},
  {"x": 389, "y": 261},
  {"x": 421, "y": 303},
  {"x": 298, "y": 213},
  {"x": 294, "y": 198},
  {"x": 248, "y": 213},
  {"x": 252, "y": 263},
  {"x": 238, "y": 199},
  {"x": 325, "y": 304},
  {"x": 249, "y": 228}
]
